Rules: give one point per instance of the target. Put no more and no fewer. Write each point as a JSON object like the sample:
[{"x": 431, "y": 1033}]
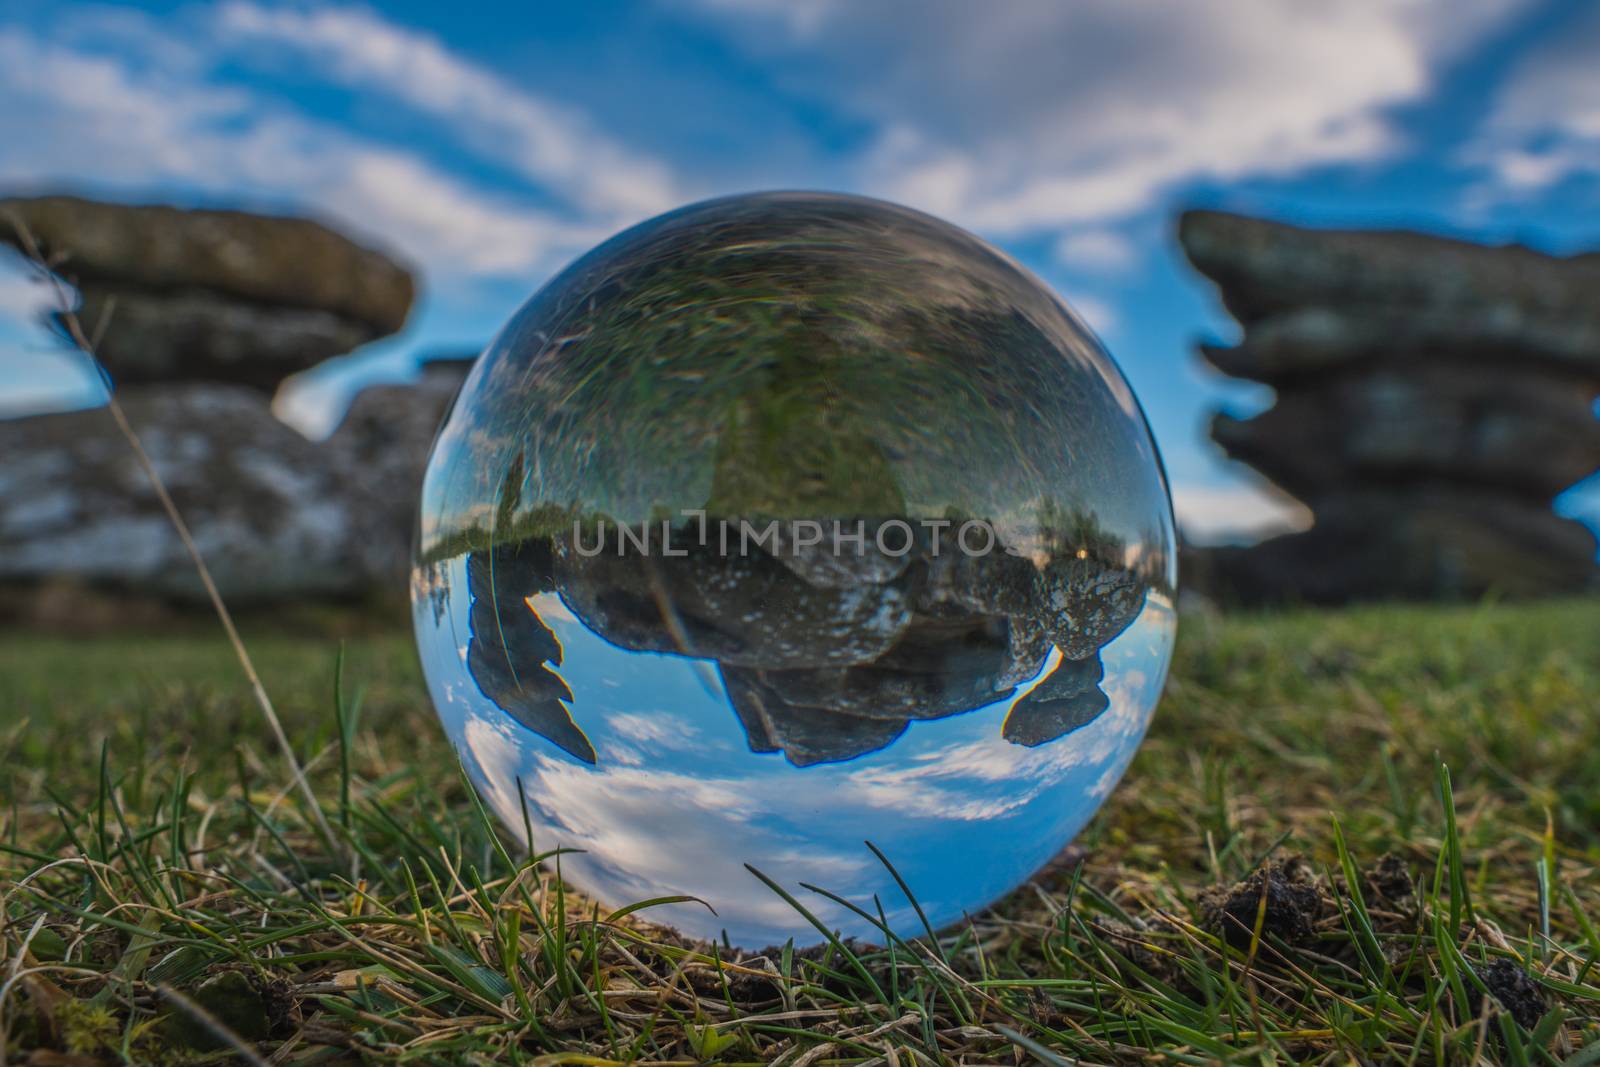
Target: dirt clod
[
  {"x": 1294, "y": 903},
  {"x": 1390, "y": 879},
  {"x": 233, "y": 1001},
  {"x": 1515, "y": 989}
]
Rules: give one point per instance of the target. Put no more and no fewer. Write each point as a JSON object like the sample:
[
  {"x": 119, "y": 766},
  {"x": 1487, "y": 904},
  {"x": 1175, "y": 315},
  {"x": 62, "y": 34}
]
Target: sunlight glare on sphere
[{"x": 779, "y": 524}]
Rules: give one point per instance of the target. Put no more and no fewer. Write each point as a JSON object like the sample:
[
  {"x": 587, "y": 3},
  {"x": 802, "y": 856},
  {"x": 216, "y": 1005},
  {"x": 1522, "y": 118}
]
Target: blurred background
[{"x": 1338, "y": 249}]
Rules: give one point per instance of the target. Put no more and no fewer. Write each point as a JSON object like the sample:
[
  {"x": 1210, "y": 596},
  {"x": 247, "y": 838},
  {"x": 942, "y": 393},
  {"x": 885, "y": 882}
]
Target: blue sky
[{"x": 487, "y": 144}]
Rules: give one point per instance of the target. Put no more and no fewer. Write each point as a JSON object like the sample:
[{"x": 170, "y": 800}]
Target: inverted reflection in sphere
[{"x": 779, "y": 524}]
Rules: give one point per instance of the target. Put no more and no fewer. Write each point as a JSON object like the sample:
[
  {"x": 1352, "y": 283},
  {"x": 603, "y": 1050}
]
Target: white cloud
[
  {"x": 1032, "y": 116},
  {"x": 552, "y": 145},
  {"x": 1211, "y": 515},
  {"x": 1097, "y": 250},
  {"x": 117, "y": 122},
  {"x": 1545, "y": 124},
  {"x": 1100, "y": 315},
  {"x": 84, "y": 113},
  {"x": 802, "y": 19},
  {"x": 419, "y": 207}
]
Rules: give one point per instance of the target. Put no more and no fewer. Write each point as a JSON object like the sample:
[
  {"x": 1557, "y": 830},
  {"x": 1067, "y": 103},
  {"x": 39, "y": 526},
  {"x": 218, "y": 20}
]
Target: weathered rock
[
  {"x": 1070, "y": 697},
  {"x": 1312, "y": 341},
  {"x": 1494, "y": 426},
  {"x": 196, "y": 335},
  {"x": 388, "y": 432},
  {"x": 1088, "y": 601},
  {"x": 269, "y": 260},
  {"x": 741, "y": 609},
  {"x": 273, "y": 517},
  {"x": 1419, "y": 543},
  {"x": 1265, "y": 268},
  {"x": 805, "y": 735},
  {"x": 1433, "y": 397},
  {"x": 816, "y": 665},
  {"x": 212, "y": 295},
  {"x": 404, "y": 415},
  {"x": 511, "y": 667}
]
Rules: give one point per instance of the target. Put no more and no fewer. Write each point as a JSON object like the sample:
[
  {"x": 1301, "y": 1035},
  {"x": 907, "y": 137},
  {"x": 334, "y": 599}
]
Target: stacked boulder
[
  {"x": 219, "y": 296},
  {"x": 1433, "y": 397},
  {"x": 277, "y": 517},
  {"x": 205, "y": 313}
]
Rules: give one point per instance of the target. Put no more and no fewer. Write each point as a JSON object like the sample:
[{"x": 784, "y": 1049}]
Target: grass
[{"x": 1345, "y": 829}]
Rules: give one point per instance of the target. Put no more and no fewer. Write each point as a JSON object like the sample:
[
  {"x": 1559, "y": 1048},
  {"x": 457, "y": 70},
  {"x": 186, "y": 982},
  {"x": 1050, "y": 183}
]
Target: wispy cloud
[
  {"x": 1022, "y": 117},
  {"x": 554, "y": 146},
  {"x": 1097, "y": 250},
  {"x": 1099, "y": 314},
  {"x": 420, "y": 207},
  {"x": 94, "y": 114},
  {"x": 1545, "y": 124}
]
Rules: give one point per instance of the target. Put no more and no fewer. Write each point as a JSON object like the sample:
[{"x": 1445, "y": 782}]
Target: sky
[{"x": 486, "y": 145}]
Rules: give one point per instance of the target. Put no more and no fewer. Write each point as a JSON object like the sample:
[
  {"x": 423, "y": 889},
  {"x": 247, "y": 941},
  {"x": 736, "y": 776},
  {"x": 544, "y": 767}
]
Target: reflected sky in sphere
[{"x": 780, "y": 524}]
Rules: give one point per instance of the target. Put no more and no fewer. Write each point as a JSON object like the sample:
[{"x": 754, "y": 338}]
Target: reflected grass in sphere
[{"x": 779, "y": 524}]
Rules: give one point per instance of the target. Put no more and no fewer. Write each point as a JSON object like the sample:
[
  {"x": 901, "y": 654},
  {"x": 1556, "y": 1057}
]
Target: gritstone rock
[
  {"x": 274, "y": 519},
  {"x": 220, "y": 296},
  {"x": 1433, "y": 397}
]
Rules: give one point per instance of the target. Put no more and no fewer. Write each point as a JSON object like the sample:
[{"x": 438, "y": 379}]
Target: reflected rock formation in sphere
[{"x": 779, "y": 524}]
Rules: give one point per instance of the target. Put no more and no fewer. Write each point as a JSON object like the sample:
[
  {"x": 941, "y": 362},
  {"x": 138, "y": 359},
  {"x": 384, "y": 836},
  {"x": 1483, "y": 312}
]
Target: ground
[{"x": 1367, "y": 835}]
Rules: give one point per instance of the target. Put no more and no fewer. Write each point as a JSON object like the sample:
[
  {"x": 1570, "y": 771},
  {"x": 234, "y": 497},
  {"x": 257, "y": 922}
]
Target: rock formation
[
  {"x": 212, "y": 309},
  {"x": 218, "y": 296},
  {"x": 273, "y": 517},
  {"x": 388, "y": 432},
  {"x": 1433, "y": 396}
]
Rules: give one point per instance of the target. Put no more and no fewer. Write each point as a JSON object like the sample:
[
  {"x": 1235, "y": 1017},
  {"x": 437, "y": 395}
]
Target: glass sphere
[{"x": 781, "y": 524}]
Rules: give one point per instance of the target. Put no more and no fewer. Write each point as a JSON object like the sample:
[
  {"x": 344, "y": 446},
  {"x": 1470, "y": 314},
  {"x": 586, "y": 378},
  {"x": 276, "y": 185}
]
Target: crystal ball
[{"x": 797, "y": 535}]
